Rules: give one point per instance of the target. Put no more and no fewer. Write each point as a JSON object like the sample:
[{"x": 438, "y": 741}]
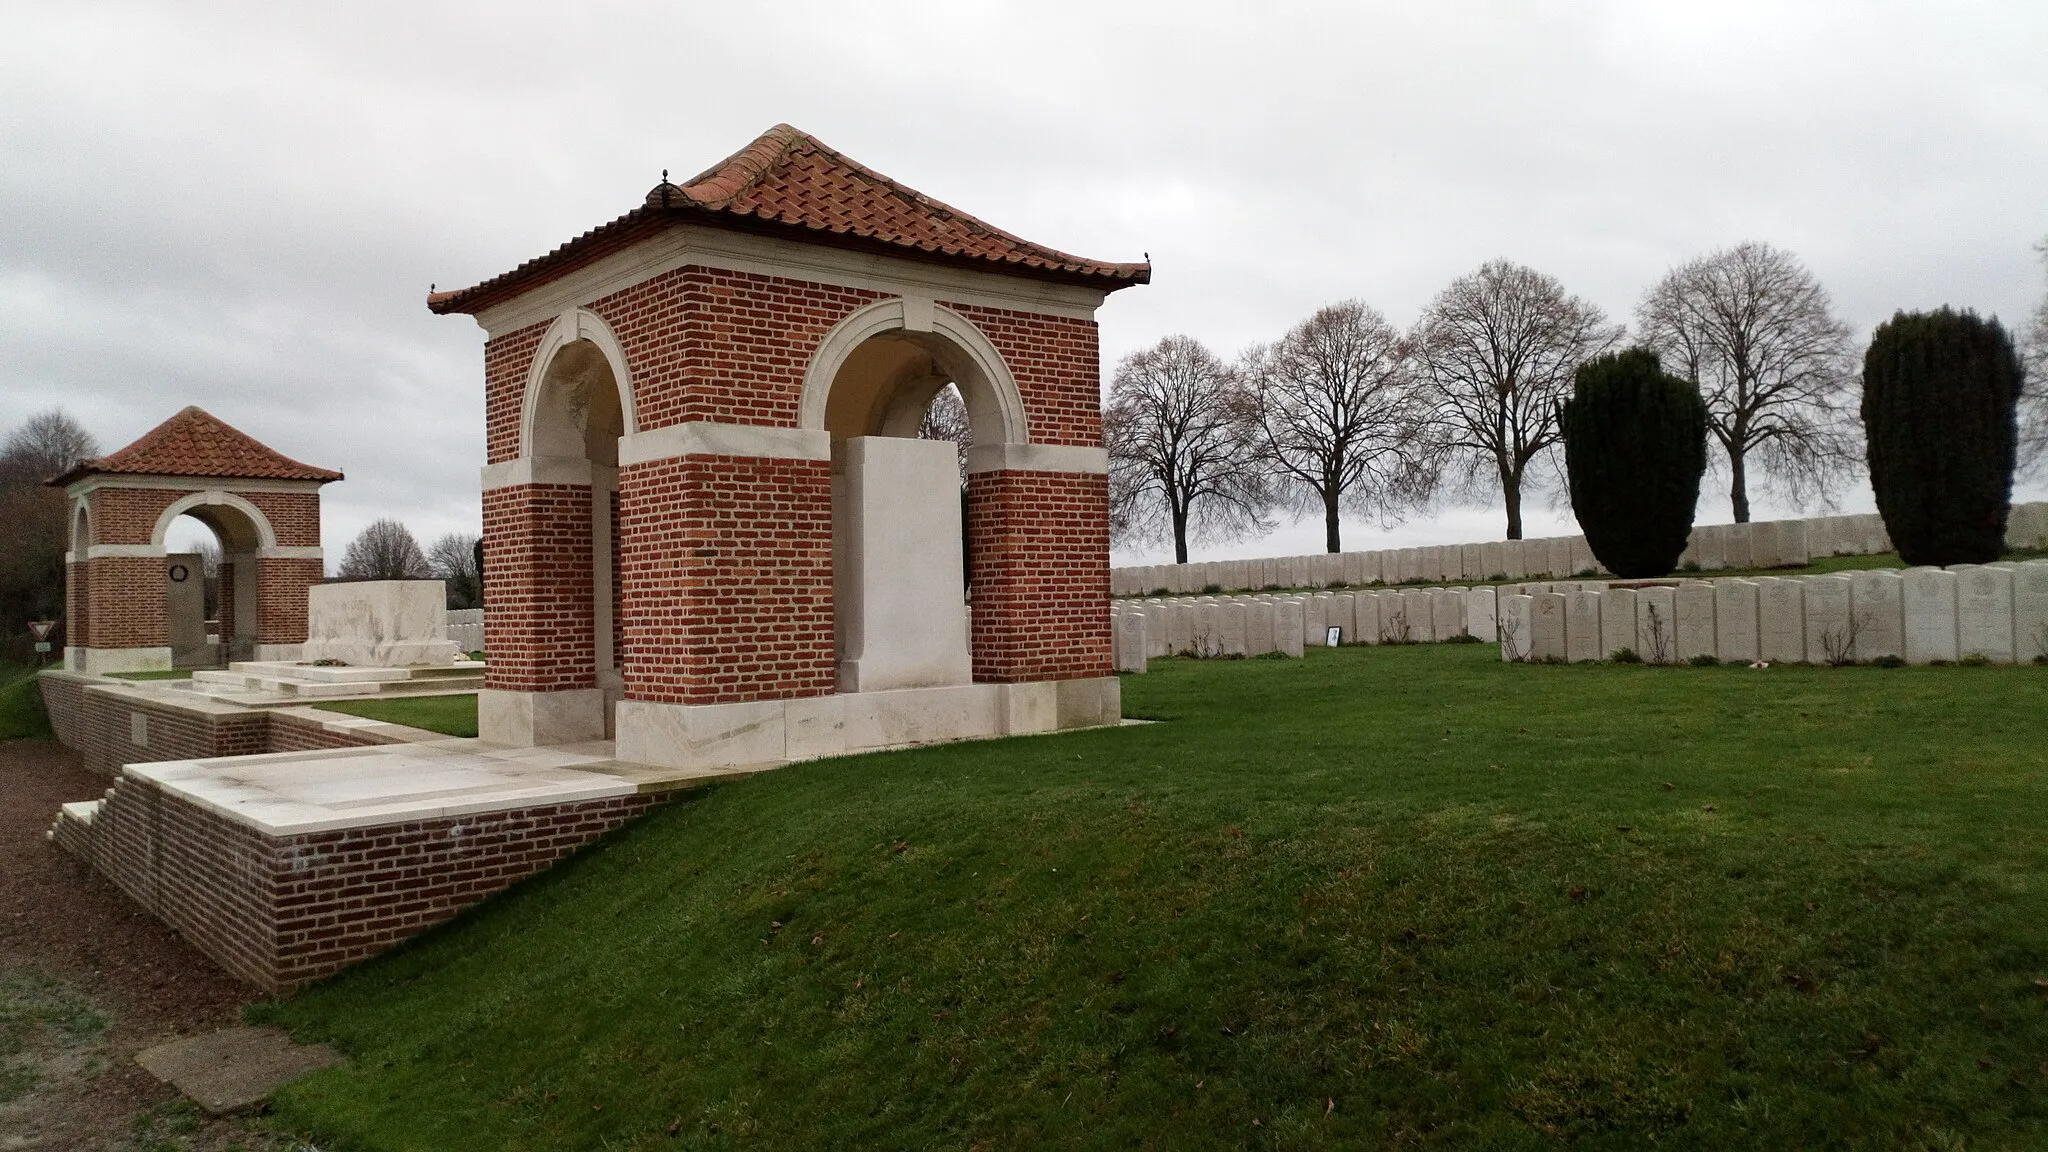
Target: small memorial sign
[{"x": 1333, "y": 636}]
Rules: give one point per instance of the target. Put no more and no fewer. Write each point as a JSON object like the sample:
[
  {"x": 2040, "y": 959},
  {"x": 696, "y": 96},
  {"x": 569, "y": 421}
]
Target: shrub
[
  {"x": 1635, "y": 446},
  {"x": 1704, "y": 660},
  {"x": 1625, "y": 656},
  {"x": 1889, "y": 662},
  {"x": 1939, "y": 390}
]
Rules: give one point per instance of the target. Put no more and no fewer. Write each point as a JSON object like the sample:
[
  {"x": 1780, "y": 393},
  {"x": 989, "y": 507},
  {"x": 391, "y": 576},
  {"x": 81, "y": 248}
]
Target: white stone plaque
[
  {"x": 1735, "y": 621},
  {"x": 1928, "y": 597}
]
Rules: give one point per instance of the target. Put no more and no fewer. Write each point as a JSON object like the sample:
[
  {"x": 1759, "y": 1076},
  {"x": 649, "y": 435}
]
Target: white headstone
[
  {"x": 1582, "y": 626},
  {"x": 1365, "y": 618},
  {"x": 1657, "y": 624},
  {"x": 2030, "y": 609},
  {"x": 1472, "y": 563},
  {"x": 1928, "y": 597},
  {"x": 1447, "y": 613},
  {"x": 1517, "y": 626},
  {"x": 1696, "y": 620},
  {"x": 1877, "y": 614},
  {"x": 1547, "y": 627},
  {"x": 1208, "y": 631},
  {"x": 1395, "y": 626},
  {"x": 1831, "y": 632},
  {"x": 1617, "y": 621},
  {"x": 1130, "y": 645},
  {"x": 1481, "y": 605},
  {"x": 1421, "y": 616},
  {"x": 1735, "y": 621},
  {"x": 1735, "y": 544},
  {"x": 1492, "y": 561},
  {"x": 1287, "y": 628},
  {"x": 1794, "y": 547},
  {"x": 1231, "y": 626},
  {"x": 1314, "y": 620},
  {"x": 1559, "y": 549},
  {"x": 1781, "y": 620},
  {"x": 1261, "y": 628},
  {"x": 1710, "y": 547},
  {"x": 1583, "y": 559},
  {"x": 1514, "y": 559},
  {"x": 1984, "y": 614}
]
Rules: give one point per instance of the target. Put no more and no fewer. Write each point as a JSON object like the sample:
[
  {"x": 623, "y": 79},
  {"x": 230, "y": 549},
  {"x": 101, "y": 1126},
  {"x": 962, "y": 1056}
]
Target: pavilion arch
[
  {"x": 566, "y": 366},
  {"x": 81, "y": 528},
  {"x": 892, "y": 357},
  {"x": 247, "y": 532}
]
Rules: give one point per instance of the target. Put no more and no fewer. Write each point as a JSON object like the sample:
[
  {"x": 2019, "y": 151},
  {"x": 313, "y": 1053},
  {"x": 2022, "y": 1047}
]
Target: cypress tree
[
  {"x": 1939, "y": 392},
  {"x": 1635, "y": 446}
]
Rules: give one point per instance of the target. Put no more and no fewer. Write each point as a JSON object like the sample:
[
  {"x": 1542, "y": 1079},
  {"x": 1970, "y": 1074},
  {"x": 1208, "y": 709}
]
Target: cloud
[{"x": 241, "y": 205}]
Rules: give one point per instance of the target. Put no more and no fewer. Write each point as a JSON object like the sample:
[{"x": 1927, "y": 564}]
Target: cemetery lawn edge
[{"x": 1378, "y": 897}]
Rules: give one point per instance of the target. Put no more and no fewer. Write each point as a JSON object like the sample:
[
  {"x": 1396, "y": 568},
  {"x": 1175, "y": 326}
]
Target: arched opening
[
  {"x": 576, "y": 420},
  {"x": 212, "y": 609},
  {"x": 898, "y": 409},
  {"x": 78, "y": 608}
]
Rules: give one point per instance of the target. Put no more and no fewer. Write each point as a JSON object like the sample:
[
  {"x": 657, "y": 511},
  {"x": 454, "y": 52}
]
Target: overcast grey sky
[{"x": 241, "y": 205}]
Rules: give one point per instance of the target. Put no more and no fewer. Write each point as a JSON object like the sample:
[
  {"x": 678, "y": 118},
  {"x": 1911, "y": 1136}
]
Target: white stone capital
[
  {"x": 1037, "y": 458},
  {"x": 713, "y": 438}
]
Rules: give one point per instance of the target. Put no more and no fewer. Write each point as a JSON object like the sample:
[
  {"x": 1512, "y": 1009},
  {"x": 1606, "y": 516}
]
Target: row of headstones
[
  {"x": 1711, "y": 548},
  {"x": 1996, "y": 612},
  {"x": 1213, "y": 627}
]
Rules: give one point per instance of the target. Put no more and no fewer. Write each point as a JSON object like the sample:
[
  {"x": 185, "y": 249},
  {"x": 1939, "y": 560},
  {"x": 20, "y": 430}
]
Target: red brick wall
[
  {"x": 726, "y": 567},
  {"x": 224, "y": 608},
  {"x": 129, "y": 515},
  {"x": 1057, "y": 364},
  {"x": 1038, "y": 549},
  {"x": 281, "y": 599},
  {"x": 98, "y": 725},
  {"x": 507, "y": 360},
  {"x": 128, "y": 602},
  {"x": 538, "y": 622},
  {"x": 293, "y": 516},
  {"x": 281, "y": 912}
]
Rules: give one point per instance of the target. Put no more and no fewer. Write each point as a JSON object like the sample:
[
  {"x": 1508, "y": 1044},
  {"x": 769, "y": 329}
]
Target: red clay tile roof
[
  {"x": 788, "y": 182},
  {"x": 196, "y": 443}
]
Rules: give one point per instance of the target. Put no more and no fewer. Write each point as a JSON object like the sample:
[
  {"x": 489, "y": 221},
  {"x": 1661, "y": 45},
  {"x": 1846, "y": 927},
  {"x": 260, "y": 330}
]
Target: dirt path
[{"x": 87, "y": 979}]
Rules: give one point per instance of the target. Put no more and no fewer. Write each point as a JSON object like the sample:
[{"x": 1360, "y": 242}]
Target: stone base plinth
[{"x": 807, "y": 728}]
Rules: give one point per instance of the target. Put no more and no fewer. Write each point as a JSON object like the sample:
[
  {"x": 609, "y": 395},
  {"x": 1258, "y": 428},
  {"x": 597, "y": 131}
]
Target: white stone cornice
[
  {"x": 712, "y": 438},
  {"x": 126, "y": 551},
  {"x": 687, "y": 244},
  {"x": 189, "y": 483},
  {"x": 285, "y": 552},
  {"x": 536, "y": 470},
  {"x": 1037, "y": 458}
]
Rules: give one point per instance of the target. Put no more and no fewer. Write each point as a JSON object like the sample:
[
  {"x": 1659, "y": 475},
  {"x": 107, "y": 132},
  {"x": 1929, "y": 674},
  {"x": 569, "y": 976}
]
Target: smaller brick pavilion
[
  {"x": 264, "y": 507},
  {"x": 710, "y": 530}
]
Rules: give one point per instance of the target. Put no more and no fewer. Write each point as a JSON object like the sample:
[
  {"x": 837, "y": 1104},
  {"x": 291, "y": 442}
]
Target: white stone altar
[{"x": 379, "y": 624}]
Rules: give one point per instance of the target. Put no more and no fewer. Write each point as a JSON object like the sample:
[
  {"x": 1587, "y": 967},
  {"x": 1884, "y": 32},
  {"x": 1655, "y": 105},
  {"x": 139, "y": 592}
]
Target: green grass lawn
[
  {"x": 21, "y": 704},
  {"x": 452, "y": 715},
  {"x": 1380, "y": 897},
  {"x": 159, "y": 674}
]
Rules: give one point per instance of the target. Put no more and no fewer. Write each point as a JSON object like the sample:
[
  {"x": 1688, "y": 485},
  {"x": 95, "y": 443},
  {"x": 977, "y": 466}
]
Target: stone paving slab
[{"x": 234, "y": 1068}]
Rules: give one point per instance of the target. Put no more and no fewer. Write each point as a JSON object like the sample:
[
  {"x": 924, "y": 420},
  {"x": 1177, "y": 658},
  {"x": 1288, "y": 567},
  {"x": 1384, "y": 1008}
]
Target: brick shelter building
[
  {"x": 709, "y": 529},
  {"x": 264, "y": 507}
]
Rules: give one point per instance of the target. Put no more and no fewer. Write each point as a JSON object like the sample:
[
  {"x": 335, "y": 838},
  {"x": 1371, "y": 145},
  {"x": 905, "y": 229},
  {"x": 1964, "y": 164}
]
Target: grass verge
[
  {"x": 450, "y": 715},
  {"x": 1380, "y": 897},
  {"x": 21, "y": 704},
  {"x": 159, "y": 674}
]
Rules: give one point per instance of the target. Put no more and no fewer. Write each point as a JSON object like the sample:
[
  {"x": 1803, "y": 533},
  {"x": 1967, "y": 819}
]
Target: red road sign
[{"x": 42, "y": 628}]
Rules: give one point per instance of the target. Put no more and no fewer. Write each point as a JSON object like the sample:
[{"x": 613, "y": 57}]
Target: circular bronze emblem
[{"x": 179, "y": 573}]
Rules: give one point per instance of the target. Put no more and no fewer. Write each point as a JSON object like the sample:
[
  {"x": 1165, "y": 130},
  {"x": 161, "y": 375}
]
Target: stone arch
[
  {"x": 81, "y": 527},
  {"x": 202, "y": 506},
  {"x": 558, "y": 351},
  {"x": 959, "y": 351}
]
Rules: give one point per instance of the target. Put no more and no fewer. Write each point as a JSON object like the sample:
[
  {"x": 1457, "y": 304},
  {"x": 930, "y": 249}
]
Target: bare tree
[
  {"x": 1497, "y": 350},
  {"x": 1341, "y": 424},
  {"x": 44, "y": 447},
  {"x": 1753, "y": 329},
  {"x": 946, "y": 419},
  {"x": 36, "y": 521},
  {"x": 1182, "y": 433},
  {"x": 385, "y": 550},
  {"x": 2033, "y": 446},
  {"x": 452, "y": 559}
]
